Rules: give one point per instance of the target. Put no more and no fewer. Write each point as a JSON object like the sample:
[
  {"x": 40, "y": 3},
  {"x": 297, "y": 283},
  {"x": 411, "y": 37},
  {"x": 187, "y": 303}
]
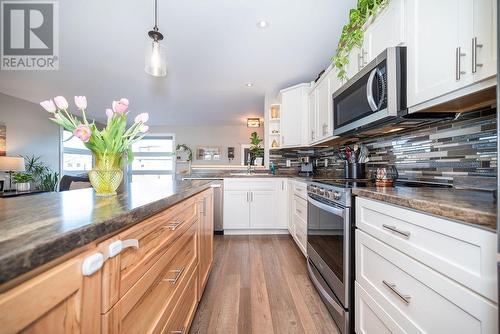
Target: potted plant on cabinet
[
  {"x": 22, "y": 181},
  {"x": 256, "y": 151}
]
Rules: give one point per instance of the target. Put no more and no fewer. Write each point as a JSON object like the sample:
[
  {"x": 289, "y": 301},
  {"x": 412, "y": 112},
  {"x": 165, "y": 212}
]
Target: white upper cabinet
[
  {"x": 449, "y": 52},
  {"x": 356, "y": 62},
  {"x": 484, "y": 40},
  {"x": 294, "y": 104},
  {"x": 320, "y": 107},
  {"x": 387, "y": 30},
  {"x": 438, "y": 50},
  {"x": 323, "y": 102},
  {"x": 313, "y": 116}
]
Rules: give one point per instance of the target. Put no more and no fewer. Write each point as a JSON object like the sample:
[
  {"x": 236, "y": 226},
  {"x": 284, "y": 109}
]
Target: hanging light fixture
[{"x": 156, "y": 58}]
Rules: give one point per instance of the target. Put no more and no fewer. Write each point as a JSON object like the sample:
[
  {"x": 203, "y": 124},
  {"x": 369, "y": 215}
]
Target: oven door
[{"x": 328, "y": 245}]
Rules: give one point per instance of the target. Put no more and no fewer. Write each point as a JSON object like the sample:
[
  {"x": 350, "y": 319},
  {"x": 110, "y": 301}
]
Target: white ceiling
[{"x": 214, "y": 48}]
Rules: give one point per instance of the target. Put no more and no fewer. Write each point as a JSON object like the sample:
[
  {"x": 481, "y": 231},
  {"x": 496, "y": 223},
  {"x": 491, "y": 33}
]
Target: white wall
[
  {"x": 223, "y": 136},
  {"x": 29, "y": 130}
]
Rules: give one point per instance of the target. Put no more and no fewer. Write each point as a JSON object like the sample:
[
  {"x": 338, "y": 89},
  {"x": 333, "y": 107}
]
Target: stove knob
[
  {"x": 336, "y": 195},
  {"x": 321, "y": 191},
  {"x": 329, "y": 194}
]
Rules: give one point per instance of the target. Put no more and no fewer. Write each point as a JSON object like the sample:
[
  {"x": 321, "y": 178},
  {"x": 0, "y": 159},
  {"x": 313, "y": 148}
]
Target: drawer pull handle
[
  {"x": 178, "y": 273},
  {"x": 394, "y": 229},
  {"x": 180, "y": 331},
  {"x": 174, "y": 225},
  {"x": 392, "y": 286}
]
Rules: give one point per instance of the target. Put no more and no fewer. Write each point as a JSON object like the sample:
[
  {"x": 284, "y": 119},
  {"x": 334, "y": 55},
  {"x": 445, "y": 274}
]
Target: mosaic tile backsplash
[{"x": 432, "y": 153}]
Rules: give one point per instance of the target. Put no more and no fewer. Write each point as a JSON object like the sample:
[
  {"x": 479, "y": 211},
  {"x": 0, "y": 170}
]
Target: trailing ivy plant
[{"x": 353, "y": 32}]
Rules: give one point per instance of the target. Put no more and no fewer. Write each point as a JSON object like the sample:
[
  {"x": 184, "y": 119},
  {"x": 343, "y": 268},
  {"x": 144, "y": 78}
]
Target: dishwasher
[{"x": 218, "y": 202}]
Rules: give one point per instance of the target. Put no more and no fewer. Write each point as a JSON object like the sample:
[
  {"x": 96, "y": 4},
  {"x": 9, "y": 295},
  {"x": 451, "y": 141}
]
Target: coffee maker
[{"x": 306, "y": 166}]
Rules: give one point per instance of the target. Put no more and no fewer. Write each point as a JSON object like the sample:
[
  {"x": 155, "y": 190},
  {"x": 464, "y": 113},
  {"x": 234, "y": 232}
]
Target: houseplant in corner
[{"x": 108, "y": 145}]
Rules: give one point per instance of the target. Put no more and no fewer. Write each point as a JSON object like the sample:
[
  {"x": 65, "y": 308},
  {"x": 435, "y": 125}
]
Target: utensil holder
[{"x": 355, "y": 171}]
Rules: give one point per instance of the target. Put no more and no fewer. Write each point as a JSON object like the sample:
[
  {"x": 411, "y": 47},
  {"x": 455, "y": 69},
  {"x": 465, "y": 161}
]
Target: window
[
  {"x": 77, "y": 159},
  {"x": 154, "y": 159}
]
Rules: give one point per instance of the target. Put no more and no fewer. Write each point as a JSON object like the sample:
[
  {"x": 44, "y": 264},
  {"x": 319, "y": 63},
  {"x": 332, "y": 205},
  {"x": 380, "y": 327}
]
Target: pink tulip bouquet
[{"x": 109, "y": 144}]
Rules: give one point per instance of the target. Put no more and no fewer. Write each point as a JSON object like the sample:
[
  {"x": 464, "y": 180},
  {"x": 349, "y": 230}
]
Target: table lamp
[{"x": 11, "y": 165}]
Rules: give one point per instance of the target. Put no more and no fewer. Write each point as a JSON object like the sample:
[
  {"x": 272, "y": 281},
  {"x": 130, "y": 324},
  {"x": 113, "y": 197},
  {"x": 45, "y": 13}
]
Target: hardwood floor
[{"x": 259, "y": 284}]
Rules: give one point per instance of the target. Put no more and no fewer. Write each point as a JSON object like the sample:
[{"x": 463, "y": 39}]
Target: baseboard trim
[{"x": 255, "y": 231}]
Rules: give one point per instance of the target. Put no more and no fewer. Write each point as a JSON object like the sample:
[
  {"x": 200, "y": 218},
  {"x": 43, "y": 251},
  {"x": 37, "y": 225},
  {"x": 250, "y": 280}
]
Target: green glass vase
[{"x": 107, "y": 173}]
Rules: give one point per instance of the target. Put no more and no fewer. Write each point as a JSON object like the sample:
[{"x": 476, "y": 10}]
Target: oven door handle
[{"x": 331, "y": 209}]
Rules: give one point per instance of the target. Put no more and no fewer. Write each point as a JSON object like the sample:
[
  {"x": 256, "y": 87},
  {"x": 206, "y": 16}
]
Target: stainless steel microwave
[{"x": 374, "y": 95}]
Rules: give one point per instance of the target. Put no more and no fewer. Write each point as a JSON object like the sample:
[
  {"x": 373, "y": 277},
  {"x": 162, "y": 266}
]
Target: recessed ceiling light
[
  {"x": 249, "y": 84},
  {"x": 262, "y": 24}
]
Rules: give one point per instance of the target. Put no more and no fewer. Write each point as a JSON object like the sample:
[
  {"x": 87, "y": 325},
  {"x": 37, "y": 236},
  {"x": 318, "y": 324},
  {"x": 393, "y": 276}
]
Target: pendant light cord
[{"x": 156, "y": 14}]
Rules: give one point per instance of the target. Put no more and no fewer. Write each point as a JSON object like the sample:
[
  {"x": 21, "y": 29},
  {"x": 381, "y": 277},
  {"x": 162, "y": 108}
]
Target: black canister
[{"x": 355, "y": 171}]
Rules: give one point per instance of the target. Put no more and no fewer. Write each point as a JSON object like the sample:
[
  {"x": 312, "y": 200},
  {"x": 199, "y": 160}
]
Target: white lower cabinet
[
  {"x": 255, "y": 204},
  {"x": 297, "y": 218},
  {"x": 263, "y": 213},
  {"x": 401, "y": 287},
  {"x": 236, "y": 209},
  {"x": 370, "y": 316}
]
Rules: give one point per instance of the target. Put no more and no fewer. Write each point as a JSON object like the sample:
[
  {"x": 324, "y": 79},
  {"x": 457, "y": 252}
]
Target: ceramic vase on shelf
[{"x": 107, "y": 173}]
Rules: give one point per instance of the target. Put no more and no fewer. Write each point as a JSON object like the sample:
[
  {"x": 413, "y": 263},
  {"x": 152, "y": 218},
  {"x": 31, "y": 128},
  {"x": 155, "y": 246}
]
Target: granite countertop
[
  {"x": 35, "y": 230},
  {"x": 473, "y": 207}
]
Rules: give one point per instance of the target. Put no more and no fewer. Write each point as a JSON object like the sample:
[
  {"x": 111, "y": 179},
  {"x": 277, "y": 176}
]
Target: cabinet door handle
[
  {"x": 394, "y": 229},
  {"x": 179, "y": 331},
  {"x": 475, "y": 46},
  {"x": 173, "y": 280},
  {"x": 325, "y": 129},
  {"x": 174, "y": 225},
  {"x": 458, "y": 63},
  {"x": 299, "y": 211},
  {"x": 393, "y": 287},
  {"x": 92, "y": 263},
  {"x": 312, "y": 135},
  {"x": 248, "y": 196},
  {"x": 251, "y": 196}
]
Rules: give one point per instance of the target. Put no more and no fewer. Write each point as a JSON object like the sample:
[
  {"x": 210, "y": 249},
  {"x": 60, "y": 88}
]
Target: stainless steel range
[
  {"x": 330, "y": 243},
  {"x": 330, "y": 246}
]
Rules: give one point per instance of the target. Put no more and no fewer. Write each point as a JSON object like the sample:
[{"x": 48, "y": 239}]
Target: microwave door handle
[
  {"x": 369, "y": 90},
  {"x": 384, "y": 88}
]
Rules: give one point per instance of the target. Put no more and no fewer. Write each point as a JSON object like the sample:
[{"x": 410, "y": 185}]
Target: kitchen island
[
  {"x": 35, "y": 230},
  {"x": 101, "y": 264}
]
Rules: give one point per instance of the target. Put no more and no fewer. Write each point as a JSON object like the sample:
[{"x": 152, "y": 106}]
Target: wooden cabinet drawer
[
  {"x": 183, "y": 313},
  {"x": 370, "y": 317},
  {"x": 421, "y": 299},
  {"x": 155, "y": 235},
  {"x": 463, "y": 253},
  {"x": 299, "y": 207},
  {"x": 147, "y": 305}
]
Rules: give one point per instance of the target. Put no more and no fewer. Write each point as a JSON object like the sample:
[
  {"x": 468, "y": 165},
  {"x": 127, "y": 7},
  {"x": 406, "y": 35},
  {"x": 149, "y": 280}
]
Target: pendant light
[{"x": 156, "y": 58}]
